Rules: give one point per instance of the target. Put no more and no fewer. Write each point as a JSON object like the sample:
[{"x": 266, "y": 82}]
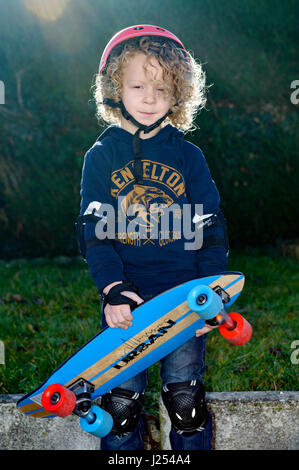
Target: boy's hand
[
  {"x": 120, "y": 316},
  {"x": 206, "y": 329}
]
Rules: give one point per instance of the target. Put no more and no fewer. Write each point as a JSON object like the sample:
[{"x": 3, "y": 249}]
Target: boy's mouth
[{"x": 146, "y": 114}]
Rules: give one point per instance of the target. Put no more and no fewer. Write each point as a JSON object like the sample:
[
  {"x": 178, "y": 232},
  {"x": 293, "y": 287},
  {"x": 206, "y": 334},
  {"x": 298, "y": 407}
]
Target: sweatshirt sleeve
[
  {"x": 201, "y": 189},
  {"x": 104, "y": 262}
]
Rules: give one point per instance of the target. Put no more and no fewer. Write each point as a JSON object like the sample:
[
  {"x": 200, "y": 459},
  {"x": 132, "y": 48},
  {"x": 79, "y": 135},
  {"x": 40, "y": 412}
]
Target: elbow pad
[
  {"x": 90, "y": 215},
  {"x": 214, "y": 228}
]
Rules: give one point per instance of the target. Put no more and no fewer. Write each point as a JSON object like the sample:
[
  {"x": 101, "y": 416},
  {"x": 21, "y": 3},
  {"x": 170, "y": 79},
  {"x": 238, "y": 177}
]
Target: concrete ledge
[
  {"x": 242, "y": 420},
  {"x": 20, "y": 432},
  {"x": 249, "y": 420}
]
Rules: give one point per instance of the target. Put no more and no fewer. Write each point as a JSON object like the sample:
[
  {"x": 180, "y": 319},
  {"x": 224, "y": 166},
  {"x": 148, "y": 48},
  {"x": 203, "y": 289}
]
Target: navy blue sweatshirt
[{"x": 175, "y": 174}]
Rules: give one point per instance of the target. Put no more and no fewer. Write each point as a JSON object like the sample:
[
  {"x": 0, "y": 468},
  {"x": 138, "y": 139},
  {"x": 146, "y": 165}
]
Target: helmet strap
[{"x": 136, "y": 140}]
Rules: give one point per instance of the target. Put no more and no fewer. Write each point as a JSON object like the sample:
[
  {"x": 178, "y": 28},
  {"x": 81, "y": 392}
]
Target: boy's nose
[{"x": 149, "y": 95}]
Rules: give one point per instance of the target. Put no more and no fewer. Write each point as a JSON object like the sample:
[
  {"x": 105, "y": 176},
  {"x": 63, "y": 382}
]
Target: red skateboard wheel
[
  {"x": 59, "y": 400},
  {"x": 241, "y": 333}
]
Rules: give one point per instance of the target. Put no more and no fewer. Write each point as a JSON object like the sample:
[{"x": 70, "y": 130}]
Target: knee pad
[
  {"x": 125, "y": 407},
  {"x": 186, "y": 406}
]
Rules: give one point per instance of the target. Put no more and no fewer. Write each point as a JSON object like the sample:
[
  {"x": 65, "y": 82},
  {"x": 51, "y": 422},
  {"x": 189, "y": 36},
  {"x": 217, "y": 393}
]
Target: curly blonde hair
[{"x": 184, "y": 81}]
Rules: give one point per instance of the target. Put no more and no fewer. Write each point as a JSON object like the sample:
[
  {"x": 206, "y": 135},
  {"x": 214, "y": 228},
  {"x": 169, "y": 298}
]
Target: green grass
[
  {"x": 49, "y": 309},
  {"x": 270, "y": 303}
]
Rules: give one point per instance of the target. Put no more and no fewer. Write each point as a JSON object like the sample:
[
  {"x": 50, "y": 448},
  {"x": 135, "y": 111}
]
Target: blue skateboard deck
[{"x": 114, "y": 355}]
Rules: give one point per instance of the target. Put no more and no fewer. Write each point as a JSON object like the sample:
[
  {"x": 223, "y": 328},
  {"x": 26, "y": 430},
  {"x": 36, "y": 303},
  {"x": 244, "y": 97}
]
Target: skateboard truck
[
  {"x": 209, "y": 304},
  {"x": 63, "y": 401},
  {"x": 232, "y": 326},
  {"x": 84, "y": 407},
  {"x": 225, "y": 297},
  {"x": 222, "y": 316},
  {"x": 76, "y": 399},
  {"x": 83, "y": 390}
]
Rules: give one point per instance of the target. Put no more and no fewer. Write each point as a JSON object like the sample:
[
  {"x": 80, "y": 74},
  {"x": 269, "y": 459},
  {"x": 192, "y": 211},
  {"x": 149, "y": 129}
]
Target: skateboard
[{"x": 114, "y": 355}]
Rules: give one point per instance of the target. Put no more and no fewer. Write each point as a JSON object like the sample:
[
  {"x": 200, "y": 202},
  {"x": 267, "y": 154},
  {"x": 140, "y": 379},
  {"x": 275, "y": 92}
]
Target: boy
[{"x": 139, "y": 171}]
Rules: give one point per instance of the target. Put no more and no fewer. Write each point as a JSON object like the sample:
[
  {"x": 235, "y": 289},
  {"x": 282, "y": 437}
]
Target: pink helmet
[{"x": 134, "y": 32}]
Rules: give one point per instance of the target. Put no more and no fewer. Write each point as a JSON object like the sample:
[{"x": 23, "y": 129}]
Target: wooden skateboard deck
[{"x": 111, "y": 357}]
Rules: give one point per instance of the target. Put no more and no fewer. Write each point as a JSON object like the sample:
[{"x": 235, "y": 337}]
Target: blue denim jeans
[{"x": 184, "y": 364}]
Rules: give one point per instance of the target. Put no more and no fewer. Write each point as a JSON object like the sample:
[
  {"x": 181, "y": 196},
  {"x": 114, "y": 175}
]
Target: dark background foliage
[{"x": 49, "y": 55}]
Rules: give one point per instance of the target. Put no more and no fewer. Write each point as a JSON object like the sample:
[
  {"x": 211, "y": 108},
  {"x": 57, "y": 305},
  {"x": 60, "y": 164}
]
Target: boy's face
[{"x": 143, "y": 93}]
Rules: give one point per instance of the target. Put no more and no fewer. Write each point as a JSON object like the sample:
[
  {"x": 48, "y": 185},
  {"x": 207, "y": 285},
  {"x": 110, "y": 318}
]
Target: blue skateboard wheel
[
  {"x": 97, "y": 422},
  {"x": 204, "y": 301}
]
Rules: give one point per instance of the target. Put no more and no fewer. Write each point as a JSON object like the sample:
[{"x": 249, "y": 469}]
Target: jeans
[{"x": 184, "y": 364}]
